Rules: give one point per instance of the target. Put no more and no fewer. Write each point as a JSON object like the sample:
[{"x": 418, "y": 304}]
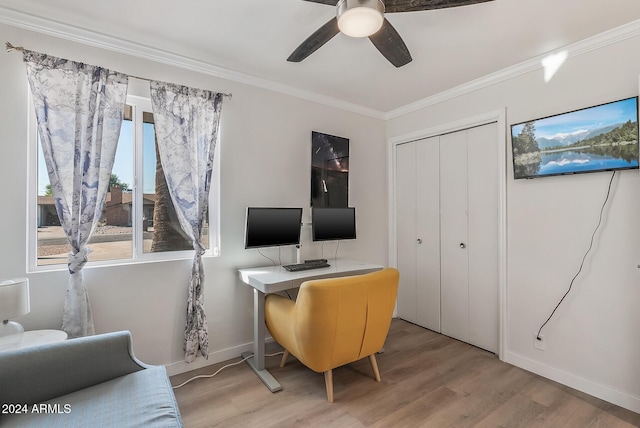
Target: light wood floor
[{"x": 428, "y": 380}]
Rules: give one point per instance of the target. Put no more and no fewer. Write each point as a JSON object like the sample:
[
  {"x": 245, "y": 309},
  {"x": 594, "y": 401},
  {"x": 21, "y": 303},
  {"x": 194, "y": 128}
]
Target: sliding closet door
[
  {"x": 406, "y": 230},
  {"x": 418, "y": 232},
  {"x": 454, "y": 277},
  {"x": 428, "y": 233},
  {"x": 483, "y": 237},
  {"x": 447, "y": 234}
]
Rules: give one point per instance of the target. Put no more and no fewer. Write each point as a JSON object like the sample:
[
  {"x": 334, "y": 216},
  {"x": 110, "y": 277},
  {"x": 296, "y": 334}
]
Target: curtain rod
[{"x": 10, "y": 48}]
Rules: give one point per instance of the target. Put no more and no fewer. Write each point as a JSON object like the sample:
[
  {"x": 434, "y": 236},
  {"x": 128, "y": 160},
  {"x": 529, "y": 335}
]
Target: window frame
[{"x": 139, "y": 105}]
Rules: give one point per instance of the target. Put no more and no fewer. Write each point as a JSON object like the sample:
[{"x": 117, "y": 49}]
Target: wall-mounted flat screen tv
[
  {"x": 599, "y": 138},
  {"x": 272, "y": 227},
  {"x": 328, "y": 224}
]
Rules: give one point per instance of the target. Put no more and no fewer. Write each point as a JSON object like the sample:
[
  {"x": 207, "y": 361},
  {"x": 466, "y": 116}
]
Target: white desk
[{"x": 272, "y": 279}]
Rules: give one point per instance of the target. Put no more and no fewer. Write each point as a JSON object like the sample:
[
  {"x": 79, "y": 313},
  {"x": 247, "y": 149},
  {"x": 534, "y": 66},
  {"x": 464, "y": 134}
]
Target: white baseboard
[
  {"x": 603, "y": 392},
  {"x": 214, "y": 358}
]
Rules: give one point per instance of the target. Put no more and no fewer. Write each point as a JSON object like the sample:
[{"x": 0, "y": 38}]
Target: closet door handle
[
  {"x": 419, "y": 241},
  {"x": 463, "y": 245}
]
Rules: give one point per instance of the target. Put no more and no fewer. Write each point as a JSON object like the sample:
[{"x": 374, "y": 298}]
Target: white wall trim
[
  {"x": 227, "y": 354},
  {"x": 603, "y": 392},
  {"x": 589, "y": 44},
  {"x": 103, "y": 41},
  {"x": 214, "y": 357},
  {"x": 57, "y": 29},
  {"x": 498, "y": 116}
]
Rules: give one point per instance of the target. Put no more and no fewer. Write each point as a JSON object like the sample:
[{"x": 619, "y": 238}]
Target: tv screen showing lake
[
  {"x": 573, "y": 162},
  {"x": 599, "y": 138}
]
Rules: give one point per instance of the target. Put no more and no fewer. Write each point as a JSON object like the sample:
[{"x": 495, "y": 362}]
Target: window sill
[{"x": 187, "y": 255}]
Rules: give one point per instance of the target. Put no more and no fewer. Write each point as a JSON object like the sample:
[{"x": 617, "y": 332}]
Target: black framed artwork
[{"x": 329, "y": 170}]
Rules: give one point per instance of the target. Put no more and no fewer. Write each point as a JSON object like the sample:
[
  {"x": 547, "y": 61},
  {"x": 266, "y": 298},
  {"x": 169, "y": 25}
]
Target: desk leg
[{"x": 257, "y": 363}]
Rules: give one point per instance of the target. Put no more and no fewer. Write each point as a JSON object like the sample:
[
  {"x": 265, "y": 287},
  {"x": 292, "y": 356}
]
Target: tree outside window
[{"x": 138, "y": 220}]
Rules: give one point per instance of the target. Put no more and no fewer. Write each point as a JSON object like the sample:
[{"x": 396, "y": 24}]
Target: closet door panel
[
  {"x": 428, "y": 233},
  {"x": 454, "y": 278},
  {"x": 406, "y": 230},
  {"x": 483, "y": 196}
]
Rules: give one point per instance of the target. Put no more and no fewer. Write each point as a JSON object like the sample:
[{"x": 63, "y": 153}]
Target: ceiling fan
[{"x": 365, "y": 18}]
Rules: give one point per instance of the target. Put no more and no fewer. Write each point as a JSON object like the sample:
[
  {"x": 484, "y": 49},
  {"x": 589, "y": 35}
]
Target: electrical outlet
[{"x": 538, "y": 342}]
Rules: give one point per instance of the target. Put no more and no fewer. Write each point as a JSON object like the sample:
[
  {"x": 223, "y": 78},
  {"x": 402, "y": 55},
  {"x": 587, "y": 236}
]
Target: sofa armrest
[{"x": 40, "y": 373}]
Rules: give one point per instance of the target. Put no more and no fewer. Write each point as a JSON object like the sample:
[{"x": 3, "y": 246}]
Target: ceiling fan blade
[
  {"x": 315, "y": 41},
  {"x": 329, "y": 2},
  {"x": 391, "y": 45},
  {"x": 391, "y": 6}
]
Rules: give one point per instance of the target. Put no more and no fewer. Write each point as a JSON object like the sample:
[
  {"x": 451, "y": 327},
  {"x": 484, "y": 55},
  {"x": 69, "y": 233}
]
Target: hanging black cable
[{"x": 583, "y": 258}]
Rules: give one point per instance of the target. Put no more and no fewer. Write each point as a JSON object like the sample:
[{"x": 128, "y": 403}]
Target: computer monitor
[
  {"x": 328, "y": 224},
  {"x": 272, "y": 227}
]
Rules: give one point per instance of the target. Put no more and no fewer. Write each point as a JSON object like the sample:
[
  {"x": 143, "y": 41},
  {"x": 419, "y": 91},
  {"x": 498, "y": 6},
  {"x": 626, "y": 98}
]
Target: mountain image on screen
[
  {"x": 565, "y": 140},
  {"x": 600, "y": 138}
]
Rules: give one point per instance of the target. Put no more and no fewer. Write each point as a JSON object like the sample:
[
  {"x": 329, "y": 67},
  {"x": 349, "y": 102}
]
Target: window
[{"x": 138, "y": 221}]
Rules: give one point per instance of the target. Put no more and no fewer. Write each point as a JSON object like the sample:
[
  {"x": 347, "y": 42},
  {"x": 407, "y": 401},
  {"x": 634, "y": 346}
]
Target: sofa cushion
[{"x": 140, "y": 399}]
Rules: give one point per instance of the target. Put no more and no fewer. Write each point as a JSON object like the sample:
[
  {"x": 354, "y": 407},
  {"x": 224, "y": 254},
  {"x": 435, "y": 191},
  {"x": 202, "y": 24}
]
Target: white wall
[
  {"x": 592, "y": 341},
  {"x": 266, "y": 160}
]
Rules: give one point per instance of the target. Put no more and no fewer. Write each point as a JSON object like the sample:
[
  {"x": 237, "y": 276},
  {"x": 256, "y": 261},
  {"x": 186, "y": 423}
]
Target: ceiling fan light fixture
[{"x": 360, "y": 18}]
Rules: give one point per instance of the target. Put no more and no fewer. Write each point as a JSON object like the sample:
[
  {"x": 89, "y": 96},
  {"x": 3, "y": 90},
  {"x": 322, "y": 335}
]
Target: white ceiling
[{"x": 253, "y": 38}]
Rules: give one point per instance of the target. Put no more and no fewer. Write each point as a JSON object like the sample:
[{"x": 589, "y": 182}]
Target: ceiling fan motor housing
[{"x": 360, "y": 18}]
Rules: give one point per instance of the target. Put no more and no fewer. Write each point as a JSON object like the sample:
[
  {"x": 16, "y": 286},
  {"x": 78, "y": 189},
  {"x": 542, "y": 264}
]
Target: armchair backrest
[{"x": 341, "y": 320}]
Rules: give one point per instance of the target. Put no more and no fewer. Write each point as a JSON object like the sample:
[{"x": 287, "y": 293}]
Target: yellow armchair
[{"x": 335, "y": 321}]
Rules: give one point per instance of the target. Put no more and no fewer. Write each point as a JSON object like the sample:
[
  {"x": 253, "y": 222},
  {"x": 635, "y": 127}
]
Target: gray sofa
[{"x": 88, "y": 382}]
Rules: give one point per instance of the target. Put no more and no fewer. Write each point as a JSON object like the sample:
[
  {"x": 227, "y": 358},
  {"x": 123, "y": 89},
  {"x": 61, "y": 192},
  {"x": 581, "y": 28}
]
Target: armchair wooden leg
[
  {"x": 328, "y": 380},
  {"x": 374, "y": 366},
  {"x": 283, "y": 361}
]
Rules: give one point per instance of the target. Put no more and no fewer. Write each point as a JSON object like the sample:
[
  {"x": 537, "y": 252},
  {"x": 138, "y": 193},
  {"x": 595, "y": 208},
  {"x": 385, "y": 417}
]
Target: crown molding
[
  {"x": 589, "y": 44},
  {"x": 92, "y": 38}
]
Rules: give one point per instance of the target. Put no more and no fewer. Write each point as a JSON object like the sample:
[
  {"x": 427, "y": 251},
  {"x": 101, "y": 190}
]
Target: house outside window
[{"x": 138, "y": 221}]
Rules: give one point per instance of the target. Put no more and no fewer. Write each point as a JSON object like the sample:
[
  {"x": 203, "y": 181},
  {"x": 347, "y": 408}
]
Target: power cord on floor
[
  {"x": 604, "y": 204},
  {"x": 222, "y": 368}
]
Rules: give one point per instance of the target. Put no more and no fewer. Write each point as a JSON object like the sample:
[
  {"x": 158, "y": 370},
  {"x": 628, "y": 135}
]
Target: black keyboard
[{"x": 305, "y": 266}]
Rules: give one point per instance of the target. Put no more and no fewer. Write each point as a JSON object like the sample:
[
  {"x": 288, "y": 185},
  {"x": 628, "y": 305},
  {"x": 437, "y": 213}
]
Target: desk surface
[{"x": 271, "y": 279}]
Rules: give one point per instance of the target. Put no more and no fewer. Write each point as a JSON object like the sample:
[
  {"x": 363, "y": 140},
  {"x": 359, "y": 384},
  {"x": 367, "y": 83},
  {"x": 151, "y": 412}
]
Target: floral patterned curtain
[
  {"x": 79, "y": 109},
  {"x": 187, "y": 123}
]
